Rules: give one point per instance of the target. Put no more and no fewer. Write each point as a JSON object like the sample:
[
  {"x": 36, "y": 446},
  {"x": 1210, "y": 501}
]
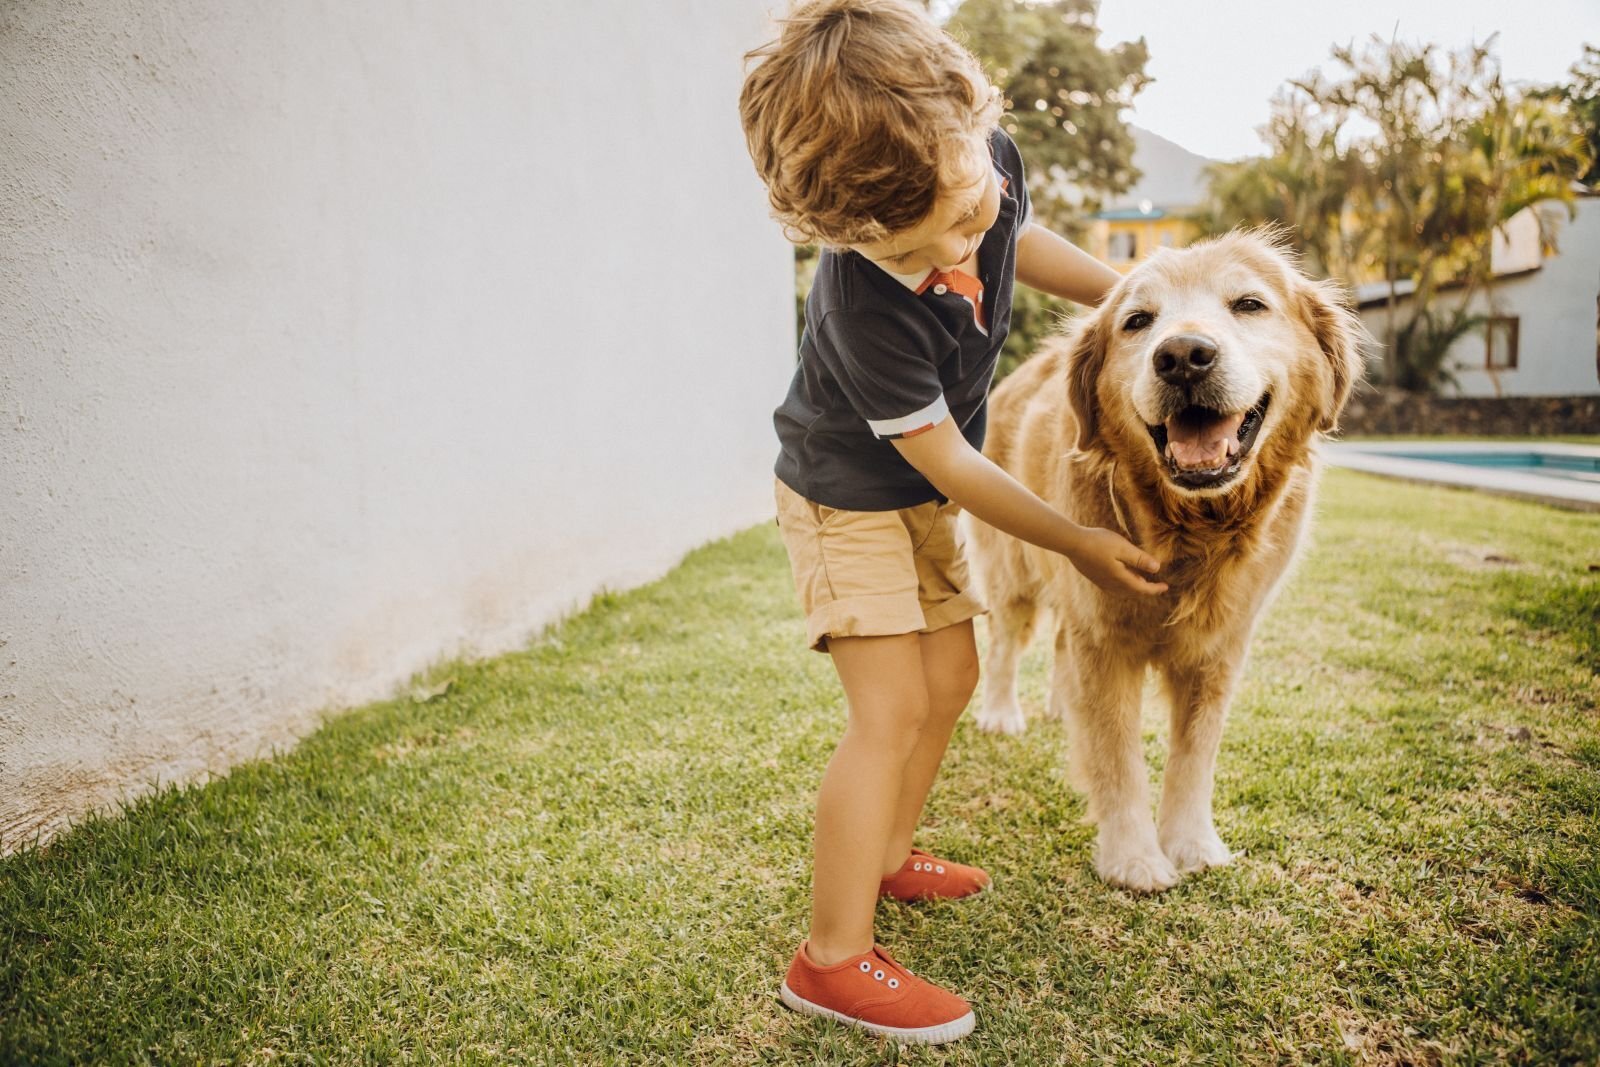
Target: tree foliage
[
  {"x": 1581, "y": 95},
  {"x": 1064, "y": 95},
  {"x": 1400, "y": 164}
]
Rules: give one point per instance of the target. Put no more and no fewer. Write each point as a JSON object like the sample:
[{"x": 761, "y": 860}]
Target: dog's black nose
[{"x": 1185, "y": 358}]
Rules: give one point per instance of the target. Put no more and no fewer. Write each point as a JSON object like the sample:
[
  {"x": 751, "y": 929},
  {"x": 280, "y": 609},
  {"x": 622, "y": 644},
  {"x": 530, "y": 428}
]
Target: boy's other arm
[
  {"x": 971, "y": 479},
  {"x": 1050, "y": 263}
]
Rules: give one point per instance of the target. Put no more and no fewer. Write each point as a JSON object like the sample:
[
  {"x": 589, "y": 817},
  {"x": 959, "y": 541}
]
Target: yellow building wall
[{"x": 1146, "y": 235}]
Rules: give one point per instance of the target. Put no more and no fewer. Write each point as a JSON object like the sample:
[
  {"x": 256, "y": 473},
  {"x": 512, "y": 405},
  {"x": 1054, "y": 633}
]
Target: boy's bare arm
[
  {"x": 971, "y": 479},
  {"x": 1050, "y": 263}
]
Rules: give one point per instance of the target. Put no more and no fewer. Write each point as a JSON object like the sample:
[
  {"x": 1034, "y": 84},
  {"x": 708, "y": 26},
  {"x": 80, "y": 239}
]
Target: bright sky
[{"x": 1216, "y": 65}]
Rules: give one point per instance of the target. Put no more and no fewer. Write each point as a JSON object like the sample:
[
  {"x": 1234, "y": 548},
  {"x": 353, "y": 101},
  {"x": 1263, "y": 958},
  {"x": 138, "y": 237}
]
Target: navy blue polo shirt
[{"x": 886, "y": 355}]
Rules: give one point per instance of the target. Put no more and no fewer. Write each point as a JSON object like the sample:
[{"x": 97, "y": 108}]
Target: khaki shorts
[{"x": 875, "y": 573}]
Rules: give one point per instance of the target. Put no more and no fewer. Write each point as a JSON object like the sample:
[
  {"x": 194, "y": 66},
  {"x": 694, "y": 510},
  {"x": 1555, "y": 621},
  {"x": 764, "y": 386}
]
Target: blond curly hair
[{"x": 857, "y": 115}]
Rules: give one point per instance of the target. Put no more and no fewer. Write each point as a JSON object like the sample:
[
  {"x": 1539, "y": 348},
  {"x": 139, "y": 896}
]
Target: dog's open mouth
[{"x": 1204, "y": 448}]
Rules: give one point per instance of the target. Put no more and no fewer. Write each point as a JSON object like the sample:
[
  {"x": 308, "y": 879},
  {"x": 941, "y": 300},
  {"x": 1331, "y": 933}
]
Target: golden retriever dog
[{"x": 1184, "y": 413}]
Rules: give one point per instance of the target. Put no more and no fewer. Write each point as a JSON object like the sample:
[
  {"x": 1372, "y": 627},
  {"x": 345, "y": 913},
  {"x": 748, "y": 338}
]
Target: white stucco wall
[
  {"x": 340, "y": 338},
  {"x": 1557, "y": 306},
  {"x": 1518, "y": 243}
]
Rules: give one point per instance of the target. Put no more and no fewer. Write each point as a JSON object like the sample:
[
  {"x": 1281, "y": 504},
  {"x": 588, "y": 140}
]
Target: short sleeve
[{"x": 887, "y": 366}]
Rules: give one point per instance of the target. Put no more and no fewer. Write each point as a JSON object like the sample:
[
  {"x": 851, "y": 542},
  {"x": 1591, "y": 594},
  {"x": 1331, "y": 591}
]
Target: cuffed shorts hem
[
  {"x": 959, "y": 608},
  {"x": 863, "y": 616}
]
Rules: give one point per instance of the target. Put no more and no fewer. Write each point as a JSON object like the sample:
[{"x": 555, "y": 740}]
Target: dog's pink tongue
[{"x": 1201, "y": 440}]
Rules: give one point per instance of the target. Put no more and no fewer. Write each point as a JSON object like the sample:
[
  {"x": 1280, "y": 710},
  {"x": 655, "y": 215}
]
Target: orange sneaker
[
  {"x": 878, "y": 995},
  {"x": 924, "y": 876}
]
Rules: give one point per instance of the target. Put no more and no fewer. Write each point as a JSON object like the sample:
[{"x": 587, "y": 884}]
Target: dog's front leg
[
  {"x": 1108, "y": 764},
  {"x": 1063, "y": 678},
  {"x": 1011, "y": 625},
  {"x": 1200, "y": 695}
]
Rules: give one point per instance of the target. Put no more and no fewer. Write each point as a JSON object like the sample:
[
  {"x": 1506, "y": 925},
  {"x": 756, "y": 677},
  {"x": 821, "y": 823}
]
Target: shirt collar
[{"x": 910, "y": 281}]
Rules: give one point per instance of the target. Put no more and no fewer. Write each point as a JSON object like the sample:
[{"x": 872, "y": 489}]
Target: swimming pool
[
  {"x": 1564, "y": 475},
  {"x": 1550, "y": 464}
]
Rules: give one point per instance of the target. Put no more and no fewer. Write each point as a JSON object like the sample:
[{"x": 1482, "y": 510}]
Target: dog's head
[{"x": 1201, "y": 355}]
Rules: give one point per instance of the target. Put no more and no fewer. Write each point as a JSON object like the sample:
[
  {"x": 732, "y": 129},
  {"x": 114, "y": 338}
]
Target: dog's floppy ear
[
  {"x": 1339, "y": 334},
  {"x": 1085, "y": 359}
]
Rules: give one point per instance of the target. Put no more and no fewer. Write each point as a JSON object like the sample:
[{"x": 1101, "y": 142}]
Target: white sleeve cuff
[{"x": 912, "y": 424}]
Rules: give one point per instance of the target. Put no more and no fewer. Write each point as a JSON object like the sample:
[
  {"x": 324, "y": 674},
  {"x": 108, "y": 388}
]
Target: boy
[{"x": 876, "y": 135}]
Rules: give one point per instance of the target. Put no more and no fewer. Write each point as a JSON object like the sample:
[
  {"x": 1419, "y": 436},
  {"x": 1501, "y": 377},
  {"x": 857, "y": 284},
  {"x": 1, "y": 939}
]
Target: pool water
[{"x": 1548, "y": 464}]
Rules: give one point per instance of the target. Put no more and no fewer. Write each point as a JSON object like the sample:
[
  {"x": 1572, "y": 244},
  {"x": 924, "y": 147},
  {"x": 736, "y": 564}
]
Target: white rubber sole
[{"x": 917, "y": 1035}]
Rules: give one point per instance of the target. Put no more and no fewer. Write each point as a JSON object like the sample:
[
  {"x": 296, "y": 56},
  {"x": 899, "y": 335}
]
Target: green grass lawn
[{"x": 596, "y": 850}]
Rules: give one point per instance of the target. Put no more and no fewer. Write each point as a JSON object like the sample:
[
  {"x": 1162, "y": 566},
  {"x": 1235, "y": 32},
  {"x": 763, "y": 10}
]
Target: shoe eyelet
[
  {"x": 894, "y": 983},
  {"x": 877, "y": 976},
  {"x": 865, "y": 966},
  {"x": 940, "y": 868},
  {"x": 917, "y": 866}
]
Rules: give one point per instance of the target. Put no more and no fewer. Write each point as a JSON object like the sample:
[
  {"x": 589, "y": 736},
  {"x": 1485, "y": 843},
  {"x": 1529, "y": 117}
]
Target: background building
[
  {"x": 1541, "y": 336},
  {"x": 1153, "y": 213}
]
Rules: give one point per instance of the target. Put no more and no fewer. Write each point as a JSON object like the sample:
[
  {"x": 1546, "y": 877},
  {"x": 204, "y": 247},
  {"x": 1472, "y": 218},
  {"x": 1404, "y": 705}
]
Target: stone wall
[{"x": 1374, "y": 412}]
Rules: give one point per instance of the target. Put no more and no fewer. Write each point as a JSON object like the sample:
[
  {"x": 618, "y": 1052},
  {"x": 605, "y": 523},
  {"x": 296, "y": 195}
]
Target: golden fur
[{"x": 1071, "y": 424}]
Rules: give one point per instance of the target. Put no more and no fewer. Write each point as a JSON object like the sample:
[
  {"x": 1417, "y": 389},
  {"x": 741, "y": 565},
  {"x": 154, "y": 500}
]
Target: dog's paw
[
  {"x": 1004, "y": 719},
  {"x": 1196, "y": 851},
  {"x": 1143, "y": 872}
]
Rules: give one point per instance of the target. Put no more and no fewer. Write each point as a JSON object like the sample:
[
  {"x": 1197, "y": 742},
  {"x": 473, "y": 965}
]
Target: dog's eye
[
  {"x": 1137, "y": 321},
  {"x": 1247, "y": 304}
]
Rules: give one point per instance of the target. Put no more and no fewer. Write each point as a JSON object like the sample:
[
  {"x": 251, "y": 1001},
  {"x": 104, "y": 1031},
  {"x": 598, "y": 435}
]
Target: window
[
  {"x": 1124, "y": 247},
  {"x": 1500, "y": 342}
]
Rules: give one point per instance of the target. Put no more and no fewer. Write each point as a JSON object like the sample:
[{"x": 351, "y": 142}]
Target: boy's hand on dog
[
  {"x": 1114, "y": 563},
  {"x": 945, "y": 457}
]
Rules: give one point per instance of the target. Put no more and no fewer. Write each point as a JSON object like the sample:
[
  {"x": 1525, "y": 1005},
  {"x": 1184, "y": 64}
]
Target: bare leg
[
  {"x": 861, "y": 789},
  {"x": 950, "y": 671},
  {"x": 1108, "y": 764},
  {"x": 1010, "y": 628},
  {"x": 1200, "y": 697}
]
